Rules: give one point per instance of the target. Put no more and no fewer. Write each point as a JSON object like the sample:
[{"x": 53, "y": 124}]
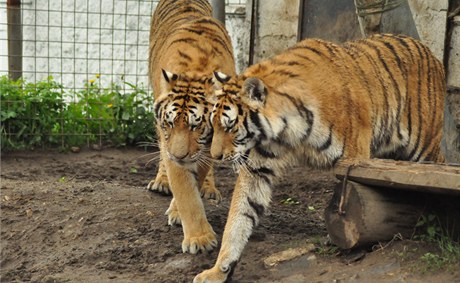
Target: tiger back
[
  {"x": 186, "y": 46},
  {"x": 316, "y": 103}
]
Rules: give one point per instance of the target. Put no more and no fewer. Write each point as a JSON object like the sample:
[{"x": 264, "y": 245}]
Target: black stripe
[
  {"x": 194, "y": 174},
  {"x": 303, "y": 111},
  {"x": 395, "y": 87},
  {"x": 386, "y": 110},
  {"x": 264, "y": 153},
  {"x": 230, "y": 271},
  {"x": 240, "y": 110},
  {"x": 365, "y": 81},
  {"x": 284, "y": 73},
  {"x": 403, "y": 71},
  {"x": 210, "y": 34},
  {"x": 427, "y": 137},
  {"x": 258, "y": 208},
  {"x": 254, "y": 116},
  {"x": 183, "y": 55},
  {"x": 187, "y": 40},
  {"x": 158, "y": 107},
  {"x": 328, "y": 142},
  {"x": 204, "y": 4},
  {"x": 263, "y": 173},
  {"x": 419, "y": 126},
  {"x": 253, "y": 219},
  {"x": 304, "y": 58}
]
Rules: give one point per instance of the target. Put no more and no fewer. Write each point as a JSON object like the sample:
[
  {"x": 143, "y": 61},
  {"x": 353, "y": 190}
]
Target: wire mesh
[{"x": 77, "y": 50}]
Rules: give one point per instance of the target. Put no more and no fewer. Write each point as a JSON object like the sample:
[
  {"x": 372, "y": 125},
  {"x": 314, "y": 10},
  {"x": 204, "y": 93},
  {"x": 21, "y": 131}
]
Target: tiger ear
[
  {"x": 221, "y": 77},
  {"x": 255, "y": 89},
  {"x": 168, "y": 80},
  {"x": 168, "y": 76},
  {"x": 218, "y": 80}
]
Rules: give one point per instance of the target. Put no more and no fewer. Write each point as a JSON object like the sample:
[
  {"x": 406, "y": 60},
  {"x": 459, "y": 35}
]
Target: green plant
[
  {"x": 46, "y": 114},
  {"x": 290, "y": 201},
  {"x": 323, "y": 248},
  {"x": 431, "y": 231},
  {"x": 30, "y": 112}
]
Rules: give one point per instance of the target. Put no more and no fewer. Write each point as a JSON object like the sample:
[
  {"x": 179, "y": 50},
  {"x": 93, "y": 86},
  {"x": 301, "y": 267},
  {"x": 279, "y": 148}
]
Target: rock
[{"x": 286, "y": 255}]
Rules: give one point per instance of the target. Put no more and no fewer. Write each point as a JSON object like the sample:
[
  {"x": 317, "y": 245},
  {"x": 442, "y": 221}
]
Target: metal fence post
[
  {"x": 218, "y": 10},
  {"x": 14, "y": 39}
]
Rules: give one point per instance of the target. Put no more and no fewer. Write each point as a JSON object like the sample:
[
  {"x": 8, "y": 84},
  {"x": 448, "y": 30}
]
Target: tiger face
[
  {"x": 235, "y": 117},
  {"x": 182, "y": 117}
]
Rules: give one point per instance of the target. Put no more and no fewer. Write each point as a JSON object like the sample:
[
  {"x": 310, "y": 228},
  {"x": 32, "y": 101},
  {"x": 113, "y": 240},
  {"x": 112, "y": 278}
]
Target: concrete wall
[
  {"x": 3, "y": 38},
  {"x": 430, "y": 18},
  {"x": 276, "y": 29},
  {"x": 237, "y": 24}
]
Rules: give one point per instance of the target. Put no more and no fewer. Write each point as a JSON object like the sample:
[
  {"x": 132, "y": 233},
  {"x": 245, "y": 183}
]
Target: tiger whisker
[
  {"x": 149, "y": 144},
  {"x": 204, "y": 161},
  {"x": 156, "y": 158}
]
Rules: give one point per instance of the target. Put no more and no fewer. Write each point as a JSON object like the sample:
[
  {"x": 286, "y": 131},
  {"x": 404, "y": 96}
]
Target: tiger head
[
  {"x": 182, "y": 113},
  {"x": 236, "y": 119}
]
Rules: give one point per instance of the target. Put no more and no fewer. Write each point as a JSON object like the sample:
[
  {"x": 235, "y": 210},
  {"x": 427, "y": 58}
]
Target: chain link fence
[{"x": 75, "y": 54}]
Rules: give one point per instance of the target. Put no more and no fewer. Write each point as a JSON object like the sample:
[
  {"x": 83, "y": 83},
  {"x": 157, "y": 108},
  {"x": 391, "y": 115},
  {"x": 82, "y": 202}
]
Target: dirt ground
[{"x": 87, "y": 217}]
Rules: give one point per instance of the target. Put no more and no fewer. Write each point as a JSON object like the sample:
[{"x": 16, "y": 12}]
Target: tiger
[
  {"x": 317, "y": 103},
  {"x": 186, "y": 45}
]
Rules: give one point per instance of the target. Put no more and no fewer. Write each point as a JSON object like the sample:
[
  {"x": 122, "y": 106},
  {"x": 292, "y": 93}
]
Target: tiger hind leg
[{"x": 208, "y": 189}]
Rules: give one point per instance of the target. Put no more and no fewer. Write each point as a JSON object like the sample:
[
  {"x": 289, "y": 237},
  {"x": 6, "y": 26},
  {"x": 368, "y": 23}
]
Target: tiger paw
[
  {"x": 160, "y": 184},
  {"x": 213, "y": 275},
  {"x": 173, "y": 214},
  {"x": 210, "y": 192},
  {"x": 204, "y": 242}
]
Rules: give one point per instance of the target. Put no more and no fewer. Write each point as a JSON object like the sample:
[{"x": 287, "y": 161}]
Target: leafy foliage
[
  {"x": 430, "y": 230},
  {"x": 46, "y": 114}
]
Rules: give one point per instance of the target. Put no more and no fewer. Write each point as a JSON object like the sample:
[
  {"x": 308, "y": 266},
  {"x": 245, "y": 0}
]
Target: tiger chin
[
  {"x": 186, "y": 46},
  {"x": 317, "y": 103}
]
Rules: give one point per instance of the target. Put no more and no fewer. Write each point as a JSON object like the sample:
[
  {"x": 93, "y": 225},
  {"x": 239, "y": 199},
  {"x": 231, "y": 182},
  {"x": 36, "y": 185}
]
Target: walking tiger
[
  {"x": 186, "y": 46},
  {"x": 316, "y": 103}
]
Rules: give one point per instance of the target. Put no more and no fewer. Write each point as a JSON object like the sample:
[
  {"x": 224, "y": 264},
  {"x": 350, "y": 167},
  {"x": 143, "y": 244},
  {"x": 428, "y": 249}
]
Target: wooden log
[
  {"x": 435, "y": 178},
  {"x": 362, "y": 215}
]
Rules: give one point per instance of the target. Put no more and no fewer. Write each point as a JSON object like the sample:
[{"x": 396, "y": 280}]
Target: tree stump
[{"x": 362, "y": 215}]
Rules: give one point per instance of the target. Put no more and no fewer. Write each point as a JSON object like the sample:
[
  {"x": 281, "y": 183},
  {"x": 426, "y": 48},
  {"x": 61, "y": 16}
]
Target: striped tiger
[
  {"x": 317, "y": 103},
  {"x": 186, "y": 46}
]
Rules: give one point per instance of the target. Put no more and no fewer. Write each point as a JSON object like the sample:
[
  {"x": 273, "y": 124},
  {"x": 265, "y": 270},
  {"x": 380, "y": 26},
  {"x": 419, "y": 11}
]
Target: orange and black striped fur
[
  {"x": 186, "y": 46},
  {"x": 316, "y": 103}
]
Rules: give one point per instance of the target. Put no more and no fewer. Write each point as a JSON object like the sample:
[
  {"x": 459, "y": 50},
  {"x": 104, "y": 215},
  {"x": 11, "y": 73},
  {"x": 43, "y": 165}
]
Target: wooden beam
[{"x": 434, "y": 178}]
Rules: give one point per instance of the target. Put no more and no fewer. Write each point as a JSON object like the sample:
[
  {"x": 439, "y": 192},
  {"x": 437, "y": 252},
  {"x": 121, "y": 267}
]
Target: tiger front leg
[
  {"x": 187, "y": 204},
  {"x": 160, "y": 184},
  {"x": 250, "y": 199}
]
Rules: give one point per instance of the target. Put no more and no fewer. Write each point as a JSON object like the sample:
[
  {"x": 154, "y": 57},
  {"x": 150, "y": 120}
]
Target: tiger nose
[
  {"x": 180, "y": 156},
  {"x": 219, "y": 157}
]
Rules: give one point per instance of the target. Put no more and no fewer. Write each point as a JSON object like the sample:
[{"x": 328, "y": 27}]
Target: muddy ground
[{"x": 86, "y": 217}]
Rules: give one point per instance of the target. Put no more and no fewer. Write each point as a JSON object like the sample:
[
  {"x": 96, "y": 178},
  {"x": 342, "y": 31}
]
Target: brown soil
[{"x": 86, "y": 217}]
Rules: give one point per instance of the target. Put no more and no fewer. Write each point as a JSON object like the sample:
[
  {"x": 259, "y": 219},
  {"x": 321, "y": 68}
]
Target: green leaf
[{"x": 125, "y": 116}]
